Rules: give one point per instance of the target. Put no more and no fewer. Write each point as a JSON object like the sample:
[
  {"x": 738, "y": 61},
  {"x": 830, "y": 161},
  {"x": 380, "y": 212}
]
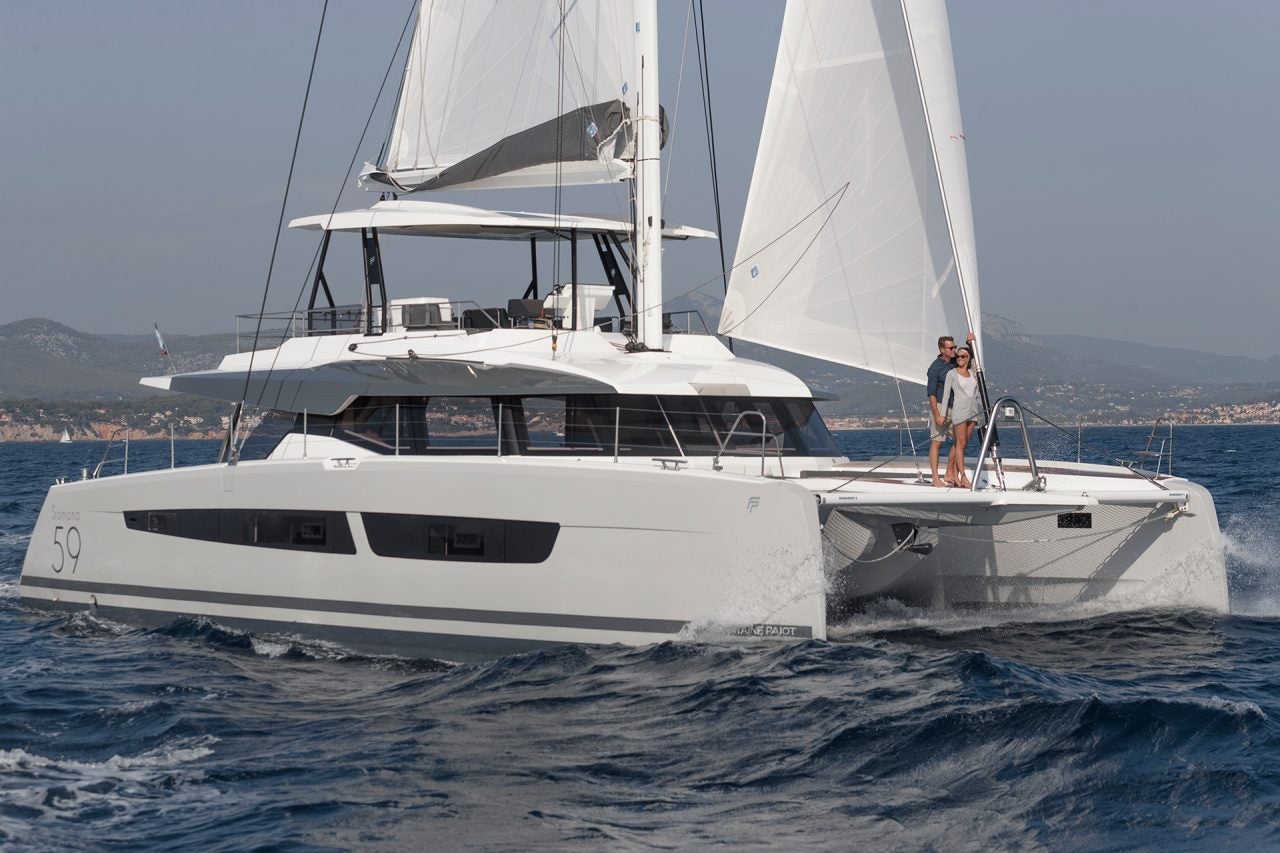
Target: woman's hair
[{"x": 967, "y": 352}]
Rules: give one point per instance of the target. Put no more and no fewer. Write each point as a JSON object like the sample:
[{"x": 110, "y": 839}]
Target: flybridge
[{"x": 571, "y": 305}]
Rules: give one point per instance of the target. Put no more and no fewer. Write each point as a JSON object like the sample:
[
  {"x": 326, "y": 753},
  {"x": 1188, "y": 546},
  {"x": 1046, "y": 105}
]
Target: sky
[{"x": 1120, "y": 159}]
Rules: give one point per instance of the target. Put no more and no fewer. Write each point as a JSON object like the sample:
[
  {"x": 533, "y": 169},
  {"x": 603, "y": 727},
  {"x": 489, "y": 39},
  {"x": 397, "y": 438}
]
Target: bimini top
[{"x": 439, "y": 219}]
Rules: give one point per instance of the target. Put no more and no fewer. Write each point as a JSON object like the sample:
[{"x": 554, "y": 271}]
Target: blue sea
[{"x": 1072, "y": 729}]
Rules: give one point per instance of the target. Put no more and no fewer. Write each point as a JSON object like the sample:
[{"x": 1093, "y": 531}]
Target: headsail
[
  {"x": 857, "y": 245},
  {"x": 512, "y": 94}
]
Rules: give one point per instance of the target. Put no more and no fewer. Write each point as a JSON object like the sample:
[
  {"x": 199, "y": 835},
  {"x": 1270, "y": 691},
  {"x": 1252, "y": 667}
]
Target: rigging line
[
  {"x": 937, "y": 167},
  {"x": 856, "y": 477},
  {"x": 962, "y": 283},
  {"x": 817, "y": 233},
  {"x": 478, "y": 351},
  {"x": 897, "y": 384},
  {"x": 558, "y": 191},
  {"x": 342, "y": 185},
  {"x": 297, "y": 139},
  {"x": 1156, "y": 516},
  {"x": 424, "y": 131},
  {"x": 906, "y": 424},
  {"x": 704, "y": 60},
  {"x": 1092, "y": 447},
  {"x": 747, "y": 259},
  {"x": 675, "y": 118},
  {"x": 384, "y": 149}
]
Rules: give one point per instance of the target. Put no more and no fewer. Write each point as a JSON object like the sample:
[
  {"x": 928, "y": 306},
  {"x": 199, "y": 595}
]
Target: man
[{"x": 937, "y": 376}]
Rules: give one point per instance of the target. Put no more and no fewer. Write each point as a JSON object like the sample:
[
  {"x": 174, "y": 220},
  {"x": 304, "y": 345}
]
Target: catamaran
[{"x": 430, "y": 475}]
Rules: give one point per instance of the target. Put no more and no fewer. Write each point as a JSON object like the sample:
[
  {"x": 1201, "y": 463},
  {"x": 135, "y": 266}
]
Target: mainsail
[
  {"x": 522, "y": 94},
  {"x": 857, "y": 245}
]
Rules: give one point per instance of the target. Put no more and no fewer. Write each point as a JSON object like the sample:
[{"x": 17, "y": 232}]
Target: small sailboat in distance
[{"x": 66, "y": 437}]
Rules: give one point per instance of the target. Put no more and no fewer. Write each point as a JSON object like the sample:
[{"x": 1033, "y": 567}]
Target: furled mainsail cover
[
  {"x": 857, "y": 245},
  {"x": 484, "y": 103}
]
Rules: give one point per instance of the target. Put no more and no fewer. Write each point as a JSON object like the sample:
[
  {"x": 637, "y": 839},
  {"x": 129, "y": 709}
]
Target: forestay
[
  {"x": 857, "y": 245},
  {"x": 510, "y": 94}
]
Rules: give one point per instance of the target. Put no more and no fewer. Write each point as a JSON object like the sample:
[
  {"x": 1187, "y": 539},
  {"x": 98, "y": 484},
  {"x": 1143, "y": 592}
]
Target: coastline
[
  {"x": 95, "y": 432},
  {"x": 45, "y": 433},
  {"x": 854, "y": 424}
]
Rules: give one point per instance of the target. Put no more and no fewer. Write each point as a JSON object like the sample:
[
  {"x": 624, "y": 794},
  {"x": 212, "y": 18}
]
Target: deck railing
[
  {"x": 608, "y": 432},
  {"x": 272, "y": 327},
  {"x": 1010, "y": 412}
]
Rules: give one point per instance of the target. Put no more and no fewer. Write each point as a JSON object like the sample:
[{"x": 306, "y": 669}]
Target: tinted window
[
  {"x": 298, "y": 530},
  {"x": 265, "y": 432},
  {"x": 581, "y": 424},
  {"x": 433, "y": 537}
]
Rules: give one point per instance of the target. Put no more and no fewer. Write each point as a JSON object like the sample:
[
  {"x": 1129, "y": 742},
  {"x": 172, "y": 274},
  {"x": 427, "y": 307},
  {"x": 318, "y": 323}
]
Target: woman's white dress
[{"x": 966, "y": 405}]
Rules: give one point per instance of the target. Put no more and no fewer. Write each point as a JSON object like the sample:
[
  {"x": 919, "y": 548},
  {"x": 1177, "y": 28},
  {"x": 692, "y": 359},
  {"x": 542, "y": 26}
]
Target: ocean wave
[{"x": 104, "y": 793}]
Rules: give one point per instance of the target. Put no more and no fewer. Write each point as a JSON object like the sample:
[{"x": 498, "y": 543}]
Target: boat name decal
[
  {"x": 68, "y": 545},
  {"x": 765, "y": 629}
]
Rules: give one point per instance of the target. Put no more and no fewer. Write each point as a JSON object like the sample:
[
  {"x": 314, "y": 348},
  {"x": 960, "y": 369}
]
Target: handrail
[
  {"x": 689, "y": 314},
  {"x": 97, "y": 469},
  {"x": 764, "y": 438},
  {"x": 1002, "y": 406},
  {"x": 349, "y": 318},
  {"x": 1037, "y": 482},
  {"x": 1165, "y": 440}
]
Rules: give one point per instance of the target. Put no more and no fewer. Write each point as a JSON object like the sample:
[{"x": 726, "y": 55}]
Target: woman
[{"x": 961, "y": 388}]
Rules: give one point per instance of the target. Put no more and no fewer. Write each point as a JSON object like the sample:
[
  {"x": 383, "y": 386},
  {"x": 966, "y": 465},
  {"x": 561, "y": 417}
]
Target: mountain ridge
[{"x": 1060, "y": 375}]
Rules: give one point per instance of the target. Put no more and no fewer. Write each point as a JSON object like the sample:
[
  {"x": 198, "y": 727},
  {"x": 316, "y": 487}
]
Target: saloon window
[{"x": 296, "y": 530}]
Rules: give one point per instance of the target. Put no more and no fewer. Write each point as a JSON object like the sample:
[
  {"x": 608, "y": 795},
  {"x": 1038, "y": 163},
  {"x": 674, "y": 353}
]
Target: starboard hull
[{"x": 639, "y": 555}]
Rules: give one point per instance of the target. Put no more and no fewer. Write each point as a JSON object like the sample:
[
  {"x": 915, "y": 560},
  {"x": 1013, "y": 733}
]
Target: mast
[{"x": 648, "y": 179}]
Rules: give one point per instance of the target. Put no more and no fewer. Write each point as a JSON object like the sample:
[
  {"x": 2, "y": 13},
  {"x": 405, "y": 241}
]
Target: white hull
[
  {"x": 642, "y": 555},
  {"x": 1144, "y": 546}
]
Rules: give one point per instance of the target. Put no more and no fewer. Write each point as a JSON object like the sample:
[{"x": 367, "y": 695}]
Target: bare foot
[
  {"x": 951, "y": 484},
  {"x": 938, "y": 483}
]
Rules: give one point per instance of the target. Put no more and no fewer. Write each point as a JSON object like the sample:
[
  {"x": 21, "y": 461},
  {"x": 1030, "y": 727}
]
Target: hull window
[
  {"x": 295, "y": 530},
  {"x": 436, "y": 537}
]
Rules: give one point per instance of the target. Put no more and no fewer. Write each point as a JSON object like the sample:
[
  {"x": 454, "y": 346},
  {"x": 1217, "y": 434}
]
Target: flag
[{"x": 160, "y": 340}]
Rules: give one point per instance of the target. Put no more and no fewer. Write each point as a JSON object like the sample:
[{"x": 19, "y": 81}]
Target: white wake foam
[
  {"x": 121, "y": 785},
  {"x": 1253, "y": 562}
]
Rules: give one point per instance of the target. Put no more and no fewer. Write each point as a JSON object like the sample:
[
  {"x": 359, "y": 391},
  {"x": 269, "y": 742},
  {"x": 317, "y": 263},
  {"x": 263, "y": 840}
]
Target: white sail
[
  {"x": 503, "y": 94},
  {"x": 857, "y": 245}
]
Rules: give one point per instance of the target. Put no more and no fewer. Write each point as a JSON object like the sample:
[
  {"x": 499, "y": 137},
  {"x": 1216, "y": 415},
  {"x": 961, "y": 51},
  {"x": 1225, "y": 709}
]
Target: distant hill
[
  {"x": 1061, "y": 376},
  {"x": 45, "y": 360},
  {"x": 1186, "y": 365}
]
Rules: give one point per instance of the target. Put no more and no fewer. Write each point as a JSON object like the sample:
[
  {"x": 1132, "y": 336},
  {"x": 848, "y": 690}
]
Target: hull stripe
[{"x": 367, "y": 608}]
